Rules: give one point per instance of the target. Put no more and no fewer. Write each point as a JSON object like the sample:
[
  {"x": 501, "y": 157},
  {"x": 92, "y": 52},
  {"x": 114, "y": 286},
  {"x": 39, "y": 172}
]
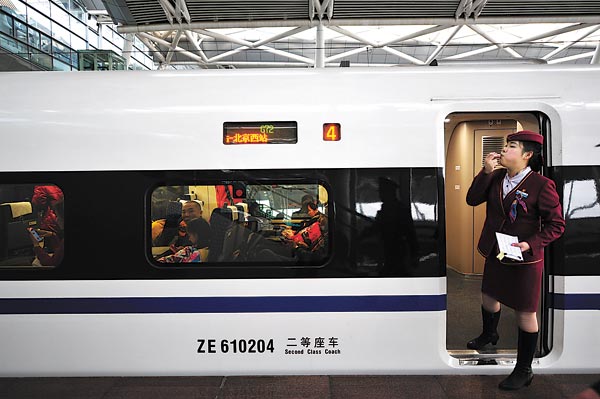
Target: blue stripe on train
[
  {"x": 577, "y": 301},
  {"x": 271, "y": 304}
]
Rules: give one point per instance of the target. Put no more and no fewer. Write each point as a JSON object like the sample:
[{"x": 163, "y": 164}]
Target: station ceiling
[{"x": 187, "y": 34}]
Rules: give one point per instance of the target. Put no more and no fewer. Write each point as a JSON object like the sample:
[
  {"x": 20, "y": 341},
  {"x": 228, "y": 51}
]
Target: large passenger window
[
  {"x": 31, "y": 225},
  {"x": 236, "y": 222},
  {"x": 581, "y": 207}
]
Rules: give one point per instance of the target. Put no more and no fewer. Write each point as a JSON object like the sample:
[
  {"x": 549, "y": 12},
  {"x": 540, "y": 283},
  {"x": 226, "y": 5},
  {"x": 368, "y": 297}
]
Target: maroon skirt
[{"x": 515, "y": 285}]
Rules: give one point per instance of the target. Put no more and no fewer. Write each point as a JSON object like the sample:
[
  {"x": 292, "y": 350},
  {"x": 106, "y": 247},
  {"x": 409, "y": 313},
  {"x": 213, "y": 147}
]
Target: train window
[
  {"x": 581, "y": 207},
  {"x": 31, "y": 225},
  {"x": 397, "y": 222},
  {"x": 237, "y": 222}
]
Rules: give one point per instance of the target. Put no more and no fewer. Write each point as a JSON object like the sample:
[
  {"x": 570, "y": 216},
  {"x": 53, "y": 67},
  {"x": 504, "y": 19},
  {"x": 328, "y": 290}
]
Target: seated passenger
[
  {"x": 309, "y": 244},
  {"x": 312, "y": 236},
  {"x": 198, "y": 231},
  {"x": 41, "y": 202},
  {"x": 174, "y": 235},
  {"x": 302, "y": 213},
  {"x": 55, "y": 258}
]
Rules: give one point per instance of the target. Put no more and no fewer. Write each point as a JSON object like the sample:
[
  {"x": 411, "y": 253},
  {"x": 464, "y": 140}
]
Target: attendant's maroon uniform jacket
[{"x": 516, "y": 283}]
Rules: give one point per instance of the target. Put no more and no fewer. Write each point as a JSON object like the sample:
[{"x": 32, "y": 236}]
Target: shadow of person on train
[{"x": 395, "y": 226}]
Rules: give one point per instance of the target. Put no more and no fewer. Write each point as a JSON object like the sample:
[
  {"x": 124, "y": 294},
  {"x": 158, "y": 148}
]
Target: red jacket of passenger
[
  {"x": 43, "y": 198},
  {"x": 539, "y": 226}
]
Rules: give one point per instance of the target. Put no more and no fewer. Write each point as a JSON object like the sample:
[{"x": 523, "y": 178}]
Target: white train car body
[{"x": 111, "y": 123}]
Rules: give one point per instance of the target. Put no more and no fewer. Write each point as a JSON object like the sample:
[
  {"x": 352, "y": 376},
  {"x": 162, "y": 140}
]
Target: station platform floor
[{"x": 290, "y": 387}]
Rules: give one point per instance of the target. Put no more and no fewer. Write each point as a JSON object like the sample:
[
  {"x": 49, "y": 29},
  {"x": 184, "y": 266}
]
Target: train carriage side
[{"x": 366, "y": 293}]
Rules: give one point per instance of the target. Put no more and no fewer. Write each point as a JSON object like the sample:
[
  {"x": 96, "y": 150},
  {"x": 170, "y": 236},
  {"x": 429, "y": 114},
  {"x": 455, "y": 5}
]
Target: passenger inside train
[
  {"x": 249, "y": 223},
  {"x": 52, "y": 253},
  {"x": 31, "y": 225},
  {"x": 171, "y": 231},
  {"x": 198, "y": 233}
]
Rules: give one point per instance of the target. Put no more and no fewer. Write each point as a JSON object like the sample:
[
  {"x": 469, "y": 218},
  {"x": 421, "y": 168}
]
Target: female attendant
[{"x": 521, "y": 203}]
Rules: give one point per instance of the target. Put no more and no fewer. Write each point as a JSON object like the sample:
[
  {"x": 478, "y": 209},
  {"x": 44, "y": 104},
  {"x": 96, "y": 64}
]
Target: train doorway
[{"x": 469, "y": 137}]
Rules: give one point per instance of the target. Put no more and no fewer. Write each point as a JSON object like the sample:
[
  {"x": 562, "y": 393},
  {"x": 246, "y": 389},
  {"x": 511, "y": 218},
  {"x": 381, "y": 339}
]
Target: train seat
[
  {"x": 255, "y": 223},
  {"x": 235, "y": 213},
  {"x": 242, "y": 209},
  {"x": 15, "y": 218},
  {"x": 220, "y": 221}
]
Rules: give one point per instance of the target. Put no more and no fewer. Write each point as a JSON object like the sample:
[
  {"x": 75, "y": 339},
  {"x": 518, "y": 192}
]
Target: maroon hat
[{"x": 526, "y": 135}]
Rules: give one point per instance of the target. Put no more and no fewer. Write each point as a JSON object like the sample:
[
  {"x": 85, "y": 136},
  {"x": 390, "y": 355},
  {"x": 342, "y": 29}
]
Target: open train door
[{"x": 469, "y": 137}]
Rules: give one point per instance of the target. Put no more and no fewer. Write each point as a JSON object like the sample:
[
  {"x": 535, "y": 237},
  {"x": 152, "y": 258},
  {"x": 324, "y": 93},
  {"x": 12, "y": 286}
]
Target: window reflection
[
  {"x": 60, "y": 33},
  {"x": 39, "y": 21},
  {"x": 582, "y": 199},
  {"x": 34, "y": 38},
  {"x": 41, "y": 5},
  {"x": 6, "y": 24},
  {"x": 581, "y": 207},
  {"x": 21, "y": 31},
  {"x": 45, "y": 43},
  {"x": 59, "y": 15},
  {"x": 61, "y": 52},
  {"x": 392, "y": 222}
]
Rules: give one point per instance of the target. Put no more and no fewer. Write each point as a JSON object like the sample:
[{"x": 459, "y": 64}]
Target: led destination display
[{"x": 260, "y": 133}]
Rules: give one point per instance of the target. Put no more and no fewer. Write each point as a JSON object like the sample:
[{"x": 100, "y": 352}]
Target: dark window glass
[
  {"x": 376, "y": 223},
  {"x": 31, "y": 225},
  {"x": 391, "y": 218},
  {"x": 241, "y": 222},
  {"x": 581, "y": 207}
]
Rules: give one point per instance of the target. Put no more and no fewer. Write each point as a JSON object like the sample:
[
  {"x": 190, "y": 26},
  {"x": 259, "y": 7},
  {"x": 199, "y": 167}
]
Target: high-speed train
[{"x": 329, "y": 204}]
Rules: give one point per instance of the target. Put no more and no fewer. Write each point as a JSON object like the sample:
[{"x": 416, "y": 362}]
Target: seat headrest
[
  {"x": 242, "y": 206},
  {"x": 242, "y": 211},
  {"x": 221, "y": 213},
  {"x": 234, "y": 212},
  {"x": 18, "y": 209}
]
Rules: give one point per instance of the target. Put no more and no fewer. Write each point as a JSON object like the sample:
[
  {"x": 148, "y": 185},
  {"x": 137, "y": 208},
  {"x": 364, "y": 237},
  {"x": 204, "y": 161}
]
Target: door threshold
[{"x": 500, "y": 357}]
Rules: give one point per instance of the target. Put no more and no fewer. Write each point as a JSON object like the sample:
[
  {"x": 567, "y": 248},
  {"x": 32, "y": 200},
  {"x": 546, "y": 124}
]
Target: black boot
[
  {"x": 522, "y": 375},
  {"x": 489, "y": 334}
]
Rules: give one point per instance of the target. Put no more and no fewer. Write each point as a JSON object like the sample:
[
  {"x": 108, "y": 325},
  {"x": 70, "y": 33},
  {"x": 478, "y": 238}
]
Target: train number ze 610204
[{"x": 235, "y": 346}]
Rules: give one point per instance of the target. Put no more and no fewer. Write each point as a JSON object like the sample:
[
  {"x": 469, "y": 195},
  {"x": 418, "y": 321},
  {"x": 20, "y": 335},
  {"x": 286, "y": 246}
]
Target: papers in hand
[{"x": 506, "y": 249}]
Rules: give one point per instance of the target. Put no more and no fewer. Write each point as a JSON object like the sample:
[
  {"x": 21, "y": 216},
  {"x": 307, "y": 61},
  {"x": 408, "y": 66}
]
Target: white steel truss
[{"x": 322, "y": 41}]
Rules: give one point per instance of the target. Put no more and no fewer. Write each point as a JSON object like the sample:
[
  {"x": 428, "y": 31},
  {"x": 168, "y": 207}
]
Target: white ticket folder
[{"x": 506, "y": 249}]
